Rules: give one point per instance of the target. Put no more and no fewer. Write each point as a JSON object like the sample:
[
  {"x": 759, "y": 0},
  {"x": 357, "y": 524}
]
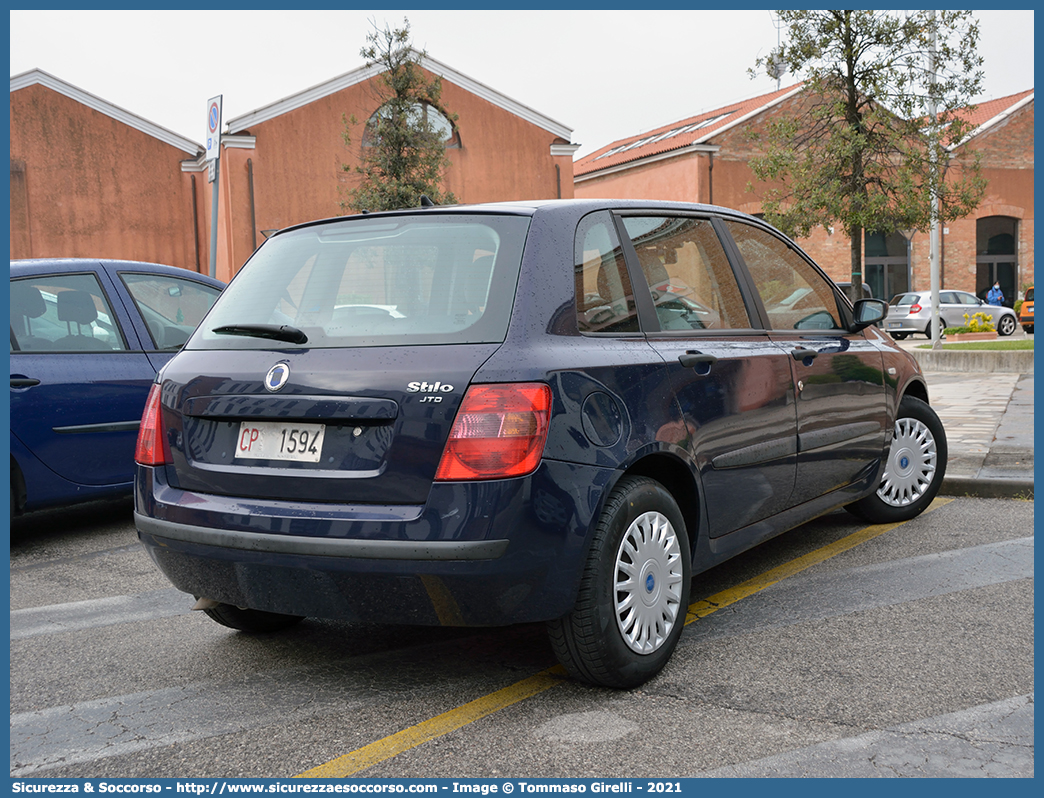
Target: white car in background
[{"x": 912, "y": 313}]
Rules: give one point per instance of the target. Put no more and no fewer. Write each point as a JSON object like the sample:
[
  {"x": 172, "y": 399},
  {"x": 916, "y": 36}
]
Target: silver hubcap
[
  {"x": 911, "y": 464},
  {"x": 648, "y": 582}
]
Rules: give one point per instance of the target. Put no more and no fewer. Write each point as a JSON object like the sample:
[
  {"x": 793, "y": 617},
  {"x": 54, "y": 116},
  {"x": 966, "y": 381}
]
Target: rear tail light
[
  {"x": 152, "y": 448},
  {"x": 915, "y": 309},
  {"x": 499, "y": 432}
]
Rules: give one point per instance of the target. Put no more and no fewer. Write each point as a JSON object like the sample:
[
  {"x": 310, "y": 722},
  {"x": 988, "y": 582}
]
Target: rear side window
[
  {"x": 62, "y": 313},
  {"x": 795, "y": 295},
  {"x": 433, "y": 279},
  {"x": 692, "y": 283},
  {"x": 604, "y": 297}
]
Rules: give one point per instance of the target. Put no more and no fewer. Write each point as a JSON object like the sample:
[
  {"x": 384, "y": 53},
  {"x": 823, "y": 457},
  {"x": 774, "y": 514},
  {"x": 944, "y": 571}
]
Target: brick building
[
  {"x": 91, "y": 179},
  {"x": 705, "y": 158}
]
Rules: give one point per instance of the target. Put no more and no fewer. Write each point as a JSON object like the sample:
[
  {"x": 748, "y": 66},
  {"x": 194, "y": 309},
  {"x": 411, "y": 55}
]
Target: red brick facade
[{"x": 711, "y": 165}]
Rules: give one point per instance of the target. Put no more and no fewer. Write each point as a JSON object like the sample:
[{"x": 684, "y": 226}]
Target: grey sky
[{"x": 605, "y": 74}]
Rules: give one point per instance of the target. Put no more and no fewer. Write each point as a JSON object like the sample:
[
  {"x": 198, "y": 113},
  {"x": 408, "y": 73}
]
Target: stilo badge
[{"x": 277, "y": 376}]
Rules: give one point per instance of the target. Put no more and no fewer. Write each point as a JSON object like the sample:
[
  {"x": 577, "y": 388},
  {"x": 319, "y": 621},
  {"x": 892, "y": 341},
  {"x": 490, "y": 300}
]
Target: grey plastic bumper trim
[{"x": 323, "y": 547}]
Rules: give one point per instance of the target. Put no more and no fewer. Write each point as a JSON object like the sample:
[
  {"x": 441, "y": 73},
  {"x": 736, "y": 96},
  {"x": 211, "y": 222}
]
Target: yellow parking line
[
  {"x": 391, "y": 746},
  {"x": 381, "y": 750},
  {"x": 701, "y": 609}
]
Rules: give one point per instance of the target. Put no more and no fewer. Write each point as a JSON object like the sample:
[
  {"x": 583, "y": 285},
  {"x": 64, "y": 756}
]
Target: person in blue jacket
[{"x": 994, "y": 296}]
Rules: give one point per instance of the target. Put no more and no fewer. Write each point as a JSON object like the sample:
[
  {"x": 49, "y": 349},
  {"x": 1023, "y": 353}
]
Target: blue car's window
[
  {"x": 171, "y": 307},
  {"x": 692, "y": 283},
  {"x": 796, "y": 297},
  {"x": 385, "y": 281},
  {"x": 62, "y": 313},
  {"x": 604, "y": 298}
]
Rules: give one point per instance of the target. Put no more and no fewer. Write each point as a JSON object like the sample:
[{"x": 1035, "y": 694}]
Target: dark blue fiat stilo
[{"x": 552, "y": 411}]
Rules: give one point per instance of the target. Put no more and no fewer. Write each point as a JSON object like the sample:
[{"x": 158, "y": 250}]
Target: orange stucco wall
[
  {"x": 86, "y": 185},
  {"x": 298, "y": 163}
]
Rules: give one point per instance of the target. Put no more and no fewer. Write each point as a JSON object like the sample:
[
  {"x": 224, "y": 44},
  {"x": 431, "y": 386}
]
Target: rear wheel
[
  {"x": 1006, "y": 325},
  {"x": 913, "y": 470},
  {"x": 900, "y": 336},
  {"x": 634, "y": 590},
  {"x": 247, "y": 620}
]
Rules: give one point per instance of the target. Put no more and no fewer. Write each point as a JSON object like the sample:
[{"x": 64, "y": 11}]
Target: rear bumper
[
  {"x": 912, "y": 325},
  {"x": 489, "y": 553}
]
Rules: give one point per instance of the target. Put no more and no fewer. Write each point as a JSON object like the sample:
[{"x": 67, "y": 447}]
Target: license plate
[
  {"x": 895, "y": 324},
  {"x": 273, "y": 440}
]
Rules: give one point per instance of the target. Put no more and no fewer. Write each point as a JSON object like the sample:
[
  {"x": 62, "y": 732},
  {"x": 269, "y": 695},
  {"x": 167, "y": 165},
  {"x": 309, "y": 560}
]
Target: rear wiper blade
[{"x": 282, "y": 332}]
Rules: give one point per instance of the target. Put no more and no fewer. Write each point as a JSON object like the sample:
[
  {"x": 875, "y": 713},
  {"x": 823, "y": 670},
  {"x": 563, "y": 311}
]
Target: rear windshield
[
  {"x": 436, "y": 279},
  {"x": 1029, "y": 295},
  {"x": 904, "y": 299}
]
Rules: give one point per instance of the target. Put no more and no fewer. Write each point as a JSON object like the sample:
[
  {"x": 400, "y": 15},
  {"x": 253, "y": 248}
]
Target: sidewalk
[{"x": 989, "y": 430}]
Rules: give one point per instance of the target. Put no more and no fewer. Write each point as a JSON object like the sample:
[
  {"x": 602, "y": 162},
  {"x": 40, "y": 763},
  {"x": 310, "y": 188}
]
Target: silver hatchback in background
[{"x": 912, "y": 313}]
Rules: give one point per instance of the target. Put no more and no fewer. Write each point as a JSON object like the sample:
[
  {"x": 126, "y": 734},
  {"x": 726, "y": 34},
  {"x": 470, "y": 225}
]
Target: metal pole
[
  {"x": 214, "y": 219},
  {"x": 935, "y": 240}
]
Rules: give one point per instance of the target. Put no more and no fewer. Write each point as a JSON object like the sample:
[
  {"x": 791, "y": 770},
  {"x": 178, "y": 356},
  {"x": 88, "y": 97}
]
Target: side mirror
[{"x": 867, "y": 312}]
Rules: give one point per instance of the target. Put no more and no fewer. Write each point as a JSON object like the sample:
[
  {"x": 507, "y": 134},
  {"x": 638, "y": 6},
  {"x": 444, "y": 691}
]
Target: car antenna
[{"x": 425, "y": 201}]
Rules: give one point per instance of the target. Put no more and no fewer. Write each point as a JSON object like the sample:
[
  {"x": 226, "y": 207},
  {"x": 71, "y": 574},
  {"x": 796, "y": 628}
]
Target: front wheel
[
  {"x": 913, "y": 470},
  {"x": 1006, "y": 325},
  {"x": 634, "y": 590}
]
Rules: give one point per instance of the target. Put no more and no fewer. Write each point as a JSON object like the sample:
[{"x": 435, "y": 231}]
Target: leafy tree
[
  {"x": 403, "y": 153},
  {"x": 866, "y": 151}
]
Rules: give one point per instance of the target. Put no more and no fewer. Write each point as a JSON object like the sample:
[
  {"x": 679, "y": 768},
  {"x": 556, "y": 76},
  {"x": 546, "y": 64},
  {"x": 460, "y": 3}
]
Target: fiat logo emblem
[{"x": 277, "y": 376}]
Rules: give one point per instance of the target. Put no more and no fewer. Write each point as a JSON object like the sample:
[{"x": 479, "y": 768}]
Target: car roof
[
  {"x": 24, "y": 268},
  {"x": 574, "y": 207}
]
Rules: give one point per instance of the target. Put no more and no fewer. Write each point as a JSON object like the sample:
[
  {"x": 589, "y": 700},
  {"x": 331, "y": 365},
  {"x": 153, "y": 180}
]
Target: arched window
[{"x": 420, "y": 111}]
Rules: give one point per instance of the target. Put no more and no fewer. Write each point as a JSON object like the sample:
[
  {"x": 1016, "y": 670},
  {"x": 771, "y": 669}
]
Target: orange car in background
[{"x": 1026, "y": 312}]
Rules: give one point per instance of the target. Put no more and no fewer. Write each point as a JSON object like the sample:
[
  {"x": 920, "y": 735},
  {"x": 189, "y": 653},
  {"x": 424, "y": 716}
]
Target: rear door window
[
  {"x": 438, "y": 279},
  {"x": 63, "y": 313},
  {"x": 604, "y": 296}
]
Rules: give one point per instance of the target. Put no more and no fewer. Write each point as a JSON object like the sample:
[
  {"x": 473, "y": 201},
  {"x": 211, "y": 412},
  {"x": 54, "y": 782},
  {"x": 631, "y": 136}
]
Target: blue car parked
[
  {"x": 553, "y": 411},
  {"x": 87, "y": 338}
]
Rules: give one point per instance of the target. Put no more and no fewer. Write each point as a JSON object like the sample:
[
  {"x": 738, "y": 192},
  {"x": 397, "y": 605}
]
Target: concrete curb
[
  {"x": 974, "y": 361},
  {"x": 992, "y": 488}
]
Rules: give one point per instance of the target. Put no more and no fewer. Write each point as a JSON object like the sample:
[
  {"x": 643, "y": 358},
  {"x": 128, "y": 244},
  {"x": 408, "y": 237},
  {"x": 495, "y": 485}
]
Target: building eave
[
  {"x": 750, "y": 115},
  {"x": 36, "y": 77},
  {"x": 362, "y": 74},
  {"x": 663, "y": 156},
  {"x": 992, "y": 122}
]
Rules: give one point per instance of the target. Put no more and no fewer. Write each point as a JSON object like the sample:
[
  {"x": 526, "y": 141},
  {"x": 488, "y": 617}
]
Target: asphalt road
[{"x": 909, "y": 654}]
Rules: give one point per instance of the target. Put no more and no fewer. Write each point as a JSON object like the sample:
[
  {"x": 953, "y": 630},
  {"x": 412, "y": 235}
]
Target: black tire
[
  {"x": 1006, "y": 325},
  {"x": 914, "y": 469},
  {"x": 602, "y": 641},
  {"x": 247, "y": 620},
  {"x": 900, "y": 336}
]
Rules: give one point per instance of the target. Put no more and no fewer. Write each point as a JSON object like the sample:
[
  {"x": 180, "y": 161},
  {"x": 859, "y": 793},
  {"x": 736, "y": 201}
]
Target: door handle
[
  {"x": 801, "y": 354},
  {"x": 23, "y": 382},
  {"x": 697, "y": 360}
]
